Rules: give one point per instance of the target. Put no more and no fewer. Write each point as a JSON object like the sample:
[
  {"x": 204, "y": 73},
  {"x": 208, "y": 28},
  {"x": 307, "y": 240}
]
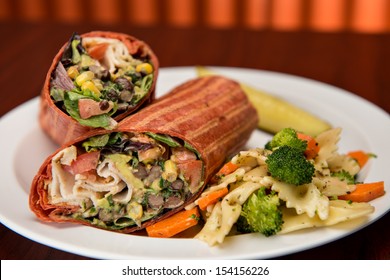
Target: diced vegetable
[
  {"x": 145, "y": 68},
  {"x": 360, "y": 156},
  {"x": 365, "y": 192},
  {"x": 174, "y": 224},
  {"x": 212, "y": 198},
  {"x": 192, "y": 172},
  {"x": 89, "y": 85},
  {"x": 170, "y": 171},
  {"x": 312, "y": 148},
  {"x": 71, "y": 102},
  {"x": 89, "y": 108},
  {"x": 97, "y": 51},
  {"x": 83, "y": 77},
  {"x": 181, "y": 154},
  {"x": 72, "y": 72},
  {"x": 83, "y": 163},
  {"x": 228, "y": 168}
]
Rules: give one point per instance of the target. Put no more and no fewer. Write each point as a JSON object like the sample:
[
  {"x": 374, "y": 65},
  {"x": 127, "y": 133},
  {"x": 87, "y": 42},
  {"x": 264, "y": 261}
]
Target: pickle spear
[{"x": 276, "y": 113}]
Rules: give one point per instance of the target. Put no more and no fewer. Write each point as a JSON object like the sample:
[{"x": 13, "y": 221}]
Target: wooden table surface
[{"x": 359, "y": 63}]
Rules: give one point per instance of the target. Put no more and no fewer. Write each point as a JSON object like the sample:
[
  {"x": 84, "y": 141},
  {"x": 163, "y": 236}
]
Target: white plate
[{"x": 23, "y": 147}]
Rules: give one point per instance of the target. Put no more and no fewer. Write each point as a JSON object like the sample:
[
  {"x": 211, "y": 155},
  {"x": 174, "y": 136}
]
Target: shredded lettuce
[
  {"x": 141, "y": 90},
  {"x": 147, "y": 82}
]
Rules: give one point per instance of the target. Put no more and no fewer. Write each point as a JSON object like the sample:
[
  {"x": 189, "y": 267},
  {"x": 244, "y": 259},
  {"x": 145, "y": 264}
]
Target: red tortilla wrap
[
  {"x": 56, "y": 121},
  {"x": 191, "y": 132}
]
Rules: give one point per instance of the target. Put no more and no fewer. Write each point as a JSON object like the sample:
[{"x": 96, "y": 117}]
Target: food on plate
[
  {"x": 95, "y": 80},
  {"x": 294, "y": 182},
  {"x": 276, "y": 113},
  {"x": 151, "y": 166}
]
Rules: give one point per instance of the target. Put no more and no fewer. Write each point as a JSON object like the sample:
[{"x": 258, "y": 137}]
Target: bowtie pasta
[{"x": 250, "y": 195}]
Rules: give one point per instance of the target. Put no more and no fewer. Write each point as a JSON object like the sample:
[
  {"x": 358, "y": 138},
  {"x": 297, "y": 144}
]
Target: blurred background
[{"x": 371, "y": 16}]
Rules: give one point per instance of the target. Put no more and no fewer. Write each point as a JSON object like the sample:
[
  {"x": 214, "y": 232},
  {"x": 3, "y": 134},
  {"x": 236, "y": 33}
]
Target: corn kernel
[
  {"x": 91, "y": 86},
  {"x": 98, "y": 83},
  {"x": 170, "y": 172},
  {"x": 149, "y": 155},
  {"x": 83, "y": 77},
  {"x": 156, "y": 185},
  {"x": 145, "y": 68},
  {"x": 134, "y": 210},
  {"x": 72, "y": 72}
]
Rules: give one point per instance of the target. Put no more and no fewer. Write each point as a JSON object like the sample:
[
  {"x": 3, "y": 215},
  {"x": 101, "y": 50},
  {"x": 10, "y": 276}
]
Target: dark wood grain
[{"x": 359, "y": 63}]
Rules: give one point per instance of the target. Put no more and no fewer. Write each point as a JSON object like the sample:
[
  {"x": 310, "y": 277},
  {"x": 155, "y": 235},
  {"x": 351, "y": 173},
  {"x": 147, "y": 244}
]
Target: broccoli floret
[
  {"x": 243, "y": 226},
  {"x": 289, "y": 165},
  {"x": 344, "y": 176},
  {"x": 261, "y": 213},
  {"x": 286, "y": 137}
]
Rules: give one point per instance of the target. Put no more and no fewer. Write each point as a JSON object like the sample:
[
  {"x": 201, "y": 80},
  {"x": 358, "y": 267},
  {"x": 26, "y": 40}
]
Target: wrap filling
[
  {"x": 98, "y": 78},
  {"x": 119, "y": 180}
]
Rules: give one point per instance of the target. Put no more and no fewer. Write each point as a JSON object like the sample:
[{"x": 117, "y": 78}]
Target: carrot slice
[
  {"x": 211, "y": 198},
  {"x": 312, "y": 148},
  {"x": 228, "y": 168},
  {"x": 360, "y": 156},
  {"x": 365, "y": 192},
  {"x": 174, "y": 224}
]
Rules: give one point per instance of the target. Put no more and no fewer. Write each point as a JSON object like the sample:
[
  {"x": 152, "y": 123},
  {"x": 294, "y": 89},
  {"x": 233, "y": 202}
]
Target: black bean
[
  {"x": 124, "y": 83},
  {"x": 126, "y": 95},
  {"x": 112, "y": 94},
  {"x": 154, "y": 173},
  {"x": 173, "y": 201},
  {"x": 100, "y": 72},
  {"x": 105, "y": 215},
  {"x": 103, "y": 105},
  {"x": 141, "y": 172},
  {"x": 177, "y": 184},
  {"x": 155, "y": 200}
]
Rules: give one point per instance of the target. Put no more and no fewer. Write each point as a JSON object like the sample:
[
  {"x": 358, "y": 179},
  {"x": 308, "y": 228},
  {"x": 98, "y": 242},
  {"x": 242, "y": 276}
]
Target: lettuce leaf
[
  {"x": 100, "y": 141},
  {"x": 71, "y": 99}
]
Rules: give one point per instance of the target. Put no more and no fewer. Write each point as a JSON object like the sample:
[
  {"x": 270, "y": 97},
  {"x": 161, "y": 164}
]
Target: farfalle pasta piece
[
  {"x": 251, "y": 157},
  {"x": 341, "y": 162},
  {"x": 332, "y": 186},
  {"x": 339, "y": 211},
  {"x": 226, "y": 180},
  {"x": 225, "y": 214},
  {"x": 257, "y": 174},
  {"x": 304, "y": 198},
  {"x": 327, "y": 141}
]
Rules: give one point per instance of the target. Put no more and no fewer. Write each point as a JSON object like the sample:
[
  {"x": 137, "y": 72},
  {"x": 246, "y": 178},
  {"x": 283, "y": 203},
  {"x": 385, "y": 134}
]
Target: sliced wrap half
[
  {"x": 154, "y": 164},
  {"x": 96, "y": 80}
]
